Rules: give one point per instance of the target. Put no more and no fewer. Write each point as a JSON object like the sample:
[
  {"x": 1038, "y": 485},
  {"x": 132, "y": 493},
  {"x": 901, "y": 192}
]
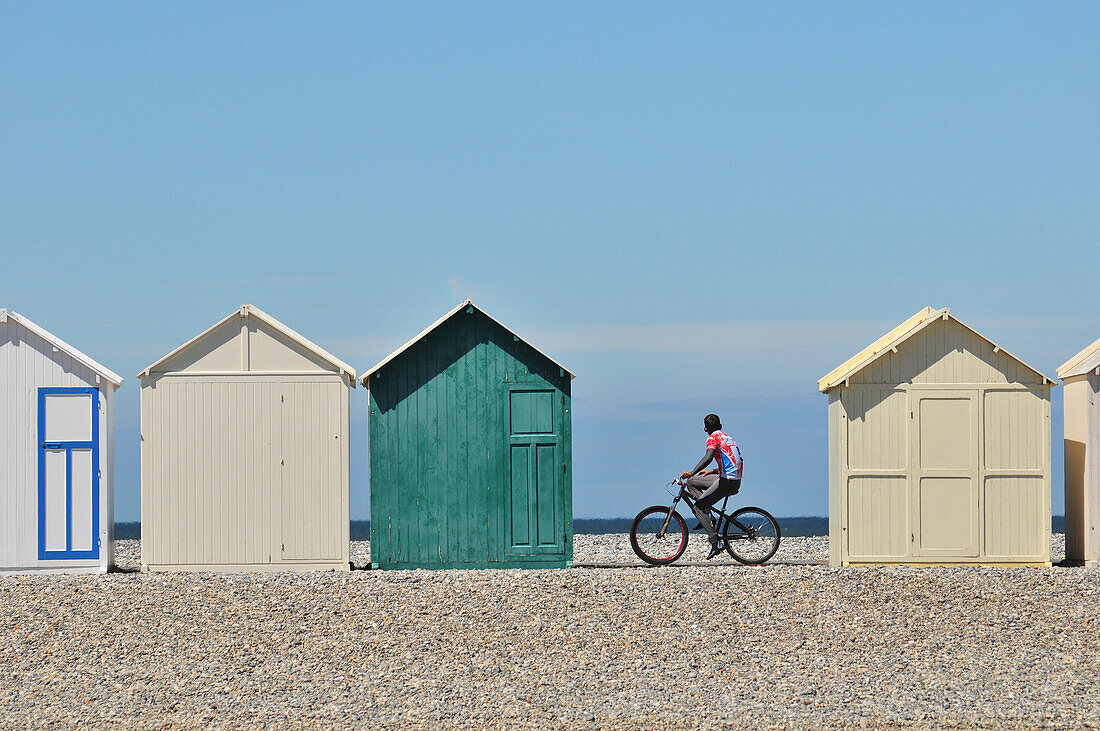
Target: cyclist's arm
[{"x": 703, "y": 463}]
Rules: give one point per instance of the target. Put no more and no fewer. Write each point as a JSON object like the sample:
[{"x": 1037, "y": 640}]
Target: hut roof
[
  {"x": 254, "y": 311},
  {"x": 891, "y": 340},
  {"x": 464, "y": 305},
  {"x": 62, "y": 346},
  {"x": 1082, "y": 363}
]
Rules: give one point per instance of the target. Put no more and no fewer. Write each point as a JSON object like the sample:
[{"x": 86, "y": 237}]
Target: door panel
[
  {"x": 521, "y": 496},
  {"x": 80, "y": 497},
  {"x": 947, "y": 509},
  {"x": 56, "y": 502},
  {"x": 532, "y": 412},
  {"x": 68, "y": 417},
  {"x": 68, "y": 473},
  {"x": 535, "y": 513},
  {"x": 945, "y": 433},
  {"x": 547, "y": 488},
  {"x": 946, "y": 473}
]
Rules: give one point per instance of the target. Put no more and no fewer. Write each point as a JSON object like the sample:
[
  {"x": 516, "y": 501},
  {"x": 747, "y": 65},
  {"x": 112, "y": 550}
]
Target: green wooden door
[{"x": 535, "y": 514}]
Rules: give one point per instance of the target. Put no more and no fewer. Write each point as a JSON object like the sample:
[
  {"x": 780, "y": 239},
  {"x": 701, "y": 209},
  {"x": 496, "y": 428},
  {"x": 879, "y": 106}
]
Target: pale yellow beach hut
[
  {"x": 1081, "y": 393},
  {"x": 244, "y": 451},
  {"x": 939, "y": 450}
]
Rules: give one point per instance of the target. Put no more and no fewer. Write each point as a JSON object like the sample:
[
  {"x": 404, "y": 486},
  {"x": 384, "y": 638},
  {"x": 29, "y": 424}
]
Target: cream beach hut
[
  {"x": 56, "y": 452},
  {"x": 1081, "y": 393},
  {"x": 939, "y": 450},
  {"x": 244, "y": 451}
]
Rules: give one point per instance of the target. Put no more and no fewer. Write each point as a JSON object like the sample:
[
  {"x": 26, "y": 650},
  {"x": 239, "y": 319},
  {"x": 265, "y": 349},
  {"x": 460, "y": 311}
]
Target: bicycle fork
[{"x": 668, "y": 517}]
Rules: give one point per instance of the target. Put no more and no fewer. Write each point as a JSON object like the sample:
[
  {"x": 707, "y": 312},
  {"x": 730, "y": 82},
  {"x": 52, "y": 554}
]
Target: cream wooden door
[{"x": 945, "y": 472}]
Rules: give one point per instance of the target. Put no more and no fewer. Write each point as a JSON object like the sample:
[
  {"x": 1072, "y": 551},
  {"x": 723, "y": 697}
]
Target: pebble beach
[{"x": 793, "y": 644}]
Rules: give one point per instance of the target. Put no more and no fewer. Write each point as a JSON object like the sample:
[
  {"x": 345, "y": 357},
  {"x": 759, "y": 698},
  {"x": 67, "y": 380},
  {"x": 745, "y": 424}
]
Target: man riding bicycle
[{"x": 707, "y": 487}]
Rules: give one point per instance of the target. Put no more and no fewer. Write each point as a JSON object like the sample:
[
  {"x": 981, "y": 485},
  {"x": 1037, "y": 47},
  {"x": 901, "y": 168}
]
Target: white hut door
[
  {"x": 312, "y": 472},
  {"x": 945, "y": 464},
  {"x": 68, "y": 473}
]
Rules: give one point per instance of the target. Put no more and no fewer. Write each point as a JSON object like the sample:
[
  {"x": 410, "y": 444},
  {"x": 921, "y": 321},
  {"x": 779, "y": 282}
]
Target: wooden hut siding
[
  {"x": 30, "y": 361},
  {"x": 1091, "y": 540},
  {"x": 470, "y": 452},
  {"x": 245, "y": 455},
  {"x": 943, "y": 355},
  {"x": 221, "y": 497},
  {"x": 939, "y": 451},
  {"x": 1081, "y": 394}
]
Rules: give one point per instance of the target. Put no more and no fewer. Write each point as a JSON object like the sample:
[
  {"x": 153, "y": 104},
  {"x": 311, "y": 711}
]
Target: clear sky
[{"x": 696, "y": 207}]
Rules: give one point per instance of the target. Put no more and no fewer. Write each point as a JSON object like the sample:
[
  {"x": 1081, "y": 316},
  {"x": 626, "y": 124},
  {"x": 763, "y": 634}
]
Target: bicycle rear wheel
[
  {"x": 751, "y": 536},
  {"x": 659, "y": 536}
]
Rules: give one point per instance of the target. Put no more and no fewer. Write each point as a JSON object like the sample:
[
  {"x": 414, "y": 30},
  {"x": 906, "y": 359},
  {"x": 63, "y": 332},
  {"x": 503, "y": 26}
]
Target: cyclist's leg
[{"x": 703, "y": 489}]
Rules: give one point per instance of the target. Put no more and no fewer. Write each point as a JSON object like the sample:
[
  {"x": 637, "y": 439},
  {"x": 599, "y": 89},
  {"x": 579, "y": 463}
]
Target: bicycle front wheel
[
  {"x": 659, "y": 535},
  {"x": 751, "y": 535}
]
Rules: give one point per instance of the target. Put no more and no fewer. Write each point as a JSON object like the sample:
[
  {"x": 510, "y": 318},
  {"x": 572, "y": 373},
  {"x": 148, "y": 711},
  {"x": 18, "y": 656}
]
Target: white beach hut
[
  {"x": 56, "y": 448},
  {"x": 244, "y": 451},
  {"x": 1081, "y": 392}
]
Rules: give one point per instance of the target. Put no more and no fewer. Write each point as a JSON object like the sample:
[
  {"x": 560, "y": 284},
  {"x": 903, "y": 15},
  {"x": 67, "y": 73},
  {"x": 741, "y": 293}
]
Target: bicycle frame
[{"x": 722, "y": 519}]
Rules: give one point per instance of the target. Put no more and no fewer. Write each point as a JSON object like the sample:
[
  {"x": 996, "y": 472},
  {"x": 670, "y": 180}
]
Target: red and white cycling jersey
[{"x": 727, "y": 453}]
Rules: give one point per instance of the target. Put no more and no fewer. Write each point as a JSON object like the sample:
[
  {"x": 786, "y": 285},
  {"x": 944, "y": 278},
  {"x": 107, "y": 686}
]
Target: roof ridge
[
  {"x": 891, "y": 340},
  {"x": 250, "y": 310},
  {"x": 466, "y": 303},
  {"x": 61, "y": 345}
]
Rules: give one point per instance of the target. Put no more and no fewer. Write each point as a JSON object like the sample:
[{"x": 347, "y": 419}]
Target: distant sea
[{"x": 802, "y": 526}]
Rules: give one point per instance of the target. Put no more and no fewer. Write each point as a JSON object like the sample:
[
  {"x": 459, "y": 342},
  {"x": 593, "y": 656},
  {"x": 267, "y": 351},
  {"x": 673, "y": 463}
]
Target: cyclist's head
[{"x": 712, "y": 423}]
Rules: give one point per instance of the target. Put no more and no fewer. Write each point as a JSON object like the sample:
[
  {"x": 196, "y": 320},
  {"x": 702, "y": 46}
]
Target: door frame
[
  {"x": 556, "y": 438},
  {"x": 916, "y": 471},
  {"x": 68, "y": 447}
]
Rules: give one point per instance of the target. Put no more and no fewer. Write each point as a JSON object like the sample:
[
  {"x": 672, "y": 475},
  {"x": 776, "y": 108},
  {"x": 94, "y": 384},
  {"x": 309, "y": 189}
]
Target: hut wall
[
  {"x": 1092, "y": 540},
  {"x": 244, "y": 471}
]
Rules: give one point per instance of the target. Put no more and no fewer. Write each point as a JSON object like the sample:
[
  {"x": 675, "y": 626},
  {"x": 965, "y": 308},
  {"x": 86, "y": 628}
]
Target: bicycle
[{"x": 659, "y": 534}]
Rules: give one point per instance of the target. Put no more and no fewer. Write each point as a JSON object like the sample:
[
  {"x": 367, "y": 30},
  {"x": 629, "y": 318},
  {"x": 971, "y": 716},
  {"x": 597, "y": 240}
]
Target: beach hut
[
  {"x": 1081, "y": 393},
  {"x": 470, "y": 450},
  {"x": 56, "y": 452},
  {"x": 939, "y": 450},
  {"x": 244, "y": 451}
]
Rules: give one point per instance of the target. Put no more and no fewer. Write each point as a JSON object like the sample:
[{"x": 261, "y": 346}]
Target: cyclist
[{"x": 710, "y": 486}]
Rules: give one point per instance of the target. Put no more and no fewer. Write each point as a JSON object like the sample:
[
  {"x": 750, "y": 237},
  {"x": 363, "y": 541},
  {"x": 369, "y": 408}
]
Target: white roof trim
[
  {"x": 62, "y": 346},
  {"x": 906, "y": 330},
  {"x": 365, "y": 378},
  {"x": 254, "y": 311},
  {"x": 1082, "y": 363}
]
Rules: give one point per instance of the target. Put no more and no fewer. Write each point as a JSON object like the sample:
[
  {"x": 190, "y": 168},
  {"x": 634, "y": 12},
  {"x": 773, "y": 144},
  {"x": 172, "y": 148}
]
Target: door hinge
[{"x": 563, "y": 468}]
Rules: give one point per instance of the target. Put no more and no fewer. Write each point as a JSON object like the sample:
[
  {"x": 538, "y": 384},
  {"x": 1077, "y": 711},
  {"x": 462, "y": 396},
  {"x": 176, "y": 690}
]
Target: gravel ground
[{"x": 716, "y": 647}]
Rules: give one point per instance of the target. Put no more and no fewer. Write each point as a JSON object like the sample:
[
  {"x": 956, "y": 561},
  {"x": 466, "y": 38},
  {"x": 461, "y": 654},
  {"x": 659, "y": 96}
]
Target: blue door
[{"x": 68, "y": 473}]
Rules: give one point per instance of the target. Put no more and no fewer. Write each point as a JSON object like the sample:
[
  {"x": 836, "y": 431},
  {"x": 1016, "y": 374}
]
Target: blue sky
[{"x": 696, "y": 208}]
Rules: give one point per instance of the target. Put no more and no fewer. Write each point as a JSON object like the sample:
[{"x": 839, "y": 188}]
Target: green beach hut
[{"x": 470, "y": 450}]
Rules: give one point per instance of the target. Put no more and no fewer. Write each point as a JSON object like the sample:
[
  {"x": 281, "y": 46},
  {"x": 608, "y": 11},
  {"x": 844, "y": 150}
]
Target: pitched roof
[
  {"x": 62, "y": 346},
  {"x": 891, "y": 340},
  {"x": 254, "y": 311},
  {"x": 1082, "y": 363},
  {"x": 464, "y": 305}
]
